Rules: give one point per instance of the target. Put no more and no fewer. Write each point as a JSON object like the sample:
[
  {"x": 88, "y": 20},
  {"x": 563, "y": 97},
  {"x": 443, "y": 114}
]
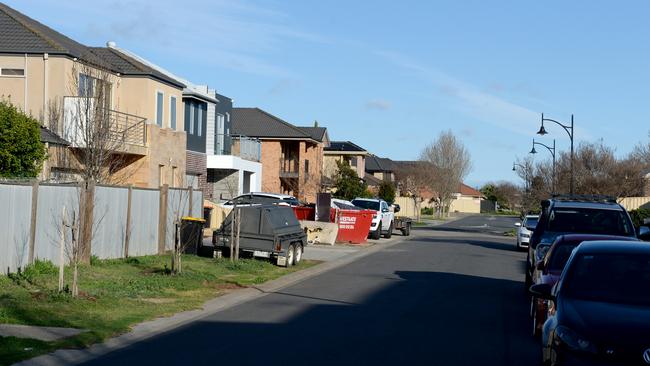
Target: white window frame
[
  {"x": 162, "y": 109},
  {"x": 199, "y": 120},
  {"x": 175, "y": 99}
]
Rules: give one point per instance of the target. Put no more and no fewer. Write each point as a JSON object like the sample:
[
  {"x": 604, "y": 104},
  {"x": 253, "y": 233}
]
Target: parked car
[
  {"x": 262, "y": 198},
  {"x": 267, "y": 231},
  {"x": 525, "y": 230},
  {"x": 382, "y": 220},
  {"x": 576, "y": 214},
  {"x": 548, "y": 270},
  {"x": 600, "y": 312}
]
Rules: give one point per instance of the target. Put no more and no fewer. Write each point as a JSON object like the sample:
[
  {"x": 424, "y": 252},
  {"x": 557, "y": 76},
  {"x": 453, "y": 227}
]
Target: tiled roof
[
  {"x": 22, "y": 34},
  {"x": 377, "y": 164},
  {"x": 316, "y": 133},
  {"x": 52, "y": 138},
  {"x": 371, "y": 180},
  {"x": 254, "y": 122},
  {"x": 126, "y": 65},
  {"x": 344, "y": 146},
  {"x": 466, "y": 190}
]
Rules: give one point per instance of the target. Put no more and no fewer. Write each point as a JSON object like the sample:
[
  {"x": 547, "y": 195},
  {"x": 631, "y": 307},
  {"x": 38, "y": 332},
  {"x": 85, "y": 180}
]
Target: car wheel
[
  {"x": 390, "y": 231},
  {"x": 298, "y": 254},
  {"x": 536, "y": 330},
  {"x": 377, "y": 233},
  {"x": 291, "y": 255}
]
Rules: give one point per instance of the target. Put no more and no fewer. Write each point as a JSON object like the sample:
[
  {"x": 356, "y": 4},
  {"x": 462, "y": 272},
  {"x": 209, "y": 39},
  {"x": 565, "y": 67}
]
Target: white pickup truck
[{"x": 382, "y": 221}]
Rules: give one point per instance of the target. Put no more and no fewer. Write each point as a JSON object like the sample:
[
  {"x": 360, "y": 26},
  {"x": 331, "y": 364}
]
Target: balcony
[
  {"x": 289, "y": 168},
  {"x": 244, "y": 147},
  {"x": 125, "y": 132}
]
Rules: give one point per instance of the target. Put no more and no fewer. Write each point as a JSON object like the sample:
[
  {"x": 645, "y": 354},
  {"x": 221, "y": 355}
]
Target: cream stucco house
[{"x": 48, "y": 75}]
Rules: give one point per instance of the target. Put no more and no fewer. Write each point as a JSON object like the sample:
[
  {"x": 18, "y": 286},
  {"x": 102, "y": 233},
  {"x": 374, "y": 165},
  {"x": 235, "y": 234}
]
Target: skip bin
[
  {"x": 353, "y": 226},
  {"x": 304, "y": 213},
  {"x": 191, "y": 233}
]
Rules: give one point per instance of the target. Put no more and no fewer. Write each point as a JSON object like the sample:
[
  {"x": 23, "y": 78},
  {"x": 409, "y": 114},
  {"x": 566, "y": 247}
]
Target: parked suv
[
  {"x": 382, "y": 220},
  {"x": 575, "y": 214}
]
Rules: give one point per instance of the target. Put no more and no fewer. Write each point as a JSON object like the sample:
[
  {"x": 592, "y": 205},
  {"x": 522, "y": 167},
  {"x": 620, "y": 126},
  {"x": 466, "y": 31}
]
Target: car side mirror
[
  {"x": 542, "y": 291},
  {"x": 396, "y": 208},
  {"x": 518, "y": 224},
  {"x": 644, "y": 233}
]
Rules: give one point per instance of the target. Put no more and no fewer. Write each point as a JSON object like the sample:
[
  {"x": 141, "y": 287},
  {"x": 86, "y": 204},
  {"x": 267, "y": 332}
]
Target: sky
[{"x": 390, "y": 76}]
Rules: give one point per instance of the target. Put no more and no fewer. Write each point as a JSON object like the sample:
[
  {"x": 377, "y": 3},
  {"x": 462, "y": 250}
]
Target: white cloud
[{"x": 378, "y": 104}]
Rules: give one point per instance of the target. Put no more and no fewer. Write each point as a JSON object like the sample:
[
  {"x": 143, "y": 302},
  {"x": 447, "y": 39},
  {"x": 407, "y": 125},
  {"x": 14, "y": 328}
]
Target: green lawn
[{"x": 116, "y": 294}]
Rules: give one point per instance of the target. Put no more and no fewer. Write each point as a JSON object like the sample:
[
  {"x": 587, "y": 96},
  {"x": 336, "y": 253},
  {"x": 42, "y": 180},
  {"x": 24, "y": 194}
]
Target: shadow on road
[
  {"x": 421, "y": 318},
  {"x": 481, "y": 243}
]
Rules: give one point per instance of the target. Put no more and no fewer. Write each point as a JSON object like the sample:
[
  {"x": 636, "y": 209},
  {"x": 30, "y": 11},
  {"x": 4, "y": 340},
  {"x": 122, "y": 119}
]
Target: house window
[
  {"x": 199, "y": 121},
  {"x": 172, "y": 112},
  {"x": 12, "y": 72},
  {"x": 161, "y": 175},
  {"x": 191, "y": 106},
  {"x": 353, "y": 161},
  {"x": 86, "y": 83},
  {"x": 306, "y": 166},
  {"x": 220, "y": 138},
  {"x": 159, "y": 108}
]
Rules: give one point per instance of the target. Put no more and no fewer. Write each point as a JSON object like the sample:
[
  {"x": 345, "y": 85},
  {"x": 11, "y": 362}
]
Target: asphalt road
[{"x": 449, "y": 295}]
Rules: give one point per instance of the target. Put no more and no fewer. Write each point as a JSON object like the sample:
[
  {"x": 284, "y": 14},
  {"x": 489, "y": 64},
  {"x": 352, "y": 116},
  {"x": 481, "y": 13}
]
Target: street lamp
[
  {"x": 570, "y": 131},
  {"x": 525, "y": 168},
  {"x": 552, "y": 151}
]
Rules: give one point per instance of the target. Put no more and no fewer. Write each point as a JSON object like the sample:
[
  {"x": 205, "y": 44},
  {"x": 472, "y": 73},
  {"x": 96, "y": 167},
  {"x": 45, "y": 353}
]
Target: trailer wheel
[
  {"x": 408, "y": 229},
  {"x": 298, "y": 254},
  {"x": 291, "y": 255}
]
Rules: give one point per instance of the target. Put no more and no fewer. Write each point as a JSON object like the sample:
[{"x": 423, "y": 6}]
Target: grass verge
[{"x": 116, "y": 294}]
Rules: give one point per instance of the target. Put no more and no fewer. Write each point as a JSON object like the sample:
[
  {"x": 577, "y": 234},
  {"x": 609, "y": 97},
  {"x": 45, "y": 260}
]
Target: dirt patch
[{"x": 159, "y": 300}]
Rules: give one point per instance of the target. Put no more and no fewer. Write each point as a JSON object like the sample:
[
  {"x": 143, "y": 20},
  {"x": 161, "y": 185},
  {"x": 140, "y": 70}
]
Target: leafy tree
[
  {"x": 387, "y": 192},
  {"x": 348, "y": 184},
  {"x": 21, "y": 151}
]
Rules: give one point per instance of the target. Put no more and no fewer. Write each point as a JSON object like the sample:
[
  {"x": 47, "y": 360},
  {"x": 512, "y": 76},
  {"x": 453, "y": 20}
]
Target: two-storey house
[
  {"x": 291, "y": 156},
  {"x": 343, "y": 151},
  {"x": 49, "y": 76}
]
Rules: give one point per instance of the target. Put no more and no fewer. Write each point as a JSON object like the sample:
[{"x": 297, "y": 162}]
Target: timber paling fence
[{"x": 127, "y": 221}]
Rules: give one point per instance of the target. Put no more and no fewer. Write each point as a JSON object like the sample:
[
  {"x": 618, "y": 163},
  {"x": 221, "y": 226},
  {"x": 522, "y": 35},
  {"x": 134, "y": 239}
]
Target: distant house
[
  {"x": 346, "y": 151},
  {"x": 467, "y": 200},
  {"x": 378, "y": 170},
  {"x": 292, "y": 157}
]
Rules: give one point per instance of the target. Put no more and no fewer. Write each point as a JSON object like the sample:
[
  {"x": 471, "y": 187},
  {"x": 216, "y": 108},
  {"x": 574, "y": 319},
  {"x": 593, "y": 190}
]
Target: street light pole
[
  {"x": 570, "y": 131},
  {"x": 552, "y": 151},
  {"x": 514, "y": 169}
]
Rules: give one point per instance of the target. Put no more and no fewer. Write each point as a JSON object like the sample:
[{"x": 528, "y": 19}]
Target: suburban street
[{"x": 447, "y": 295}]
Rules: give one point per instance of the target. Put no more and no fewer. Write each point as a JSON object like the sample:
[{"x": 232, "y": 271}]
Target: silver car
[{"x": 525, "y": 230}]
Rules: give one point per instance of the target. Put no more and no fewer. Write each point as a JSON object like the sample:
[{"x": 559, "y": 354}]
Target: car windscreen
[
  {"x": 589, "y": 221},
  {"x": 560, "y": 256},
  {"x": 531, "y": 222},
  {"x": 604, "y": 277},
  {"x": 368, "y": 205}
]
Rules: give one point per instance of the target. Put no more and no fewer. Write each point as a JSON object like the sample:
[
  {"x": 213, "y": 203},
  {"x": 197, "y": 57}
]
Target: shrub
[
  {"x": 426, "y": 211},
  {"x": 639, "y": 215}
]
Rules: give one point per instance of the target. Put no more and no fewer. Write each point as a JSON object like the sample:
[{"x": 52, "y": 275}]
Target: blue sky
[{"x": 390, "y": 75}]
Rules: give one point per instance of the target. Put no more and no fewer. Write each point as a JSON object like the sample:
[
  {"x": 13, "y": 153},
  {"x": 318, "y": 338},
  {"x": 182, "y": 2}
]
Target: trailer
[
  {"x": 402, "y": 223},
  {"x": 266, "y": 231}
]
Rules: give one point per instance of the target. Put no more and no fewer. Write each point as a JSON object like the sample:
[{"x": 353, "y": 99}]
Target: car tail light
[{"x": 278, "y": 246}]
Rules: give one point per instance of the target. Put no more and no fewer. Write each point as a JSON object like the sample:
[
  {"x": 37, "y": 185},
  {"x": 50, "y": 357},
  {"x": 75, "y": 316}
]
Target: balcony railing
[
  {"x": 85, "y": 124},
  {"x": 249, "y": 148},
  {"x": 289, "y": 168}
]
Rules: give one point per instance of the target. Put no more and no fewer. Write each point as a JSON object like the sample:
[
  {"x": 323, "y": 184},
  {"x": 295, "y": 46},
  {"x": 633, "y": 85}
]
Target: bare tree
[
  {"x": 411, "y": 178},
  {"x": 449, "y": 162}
]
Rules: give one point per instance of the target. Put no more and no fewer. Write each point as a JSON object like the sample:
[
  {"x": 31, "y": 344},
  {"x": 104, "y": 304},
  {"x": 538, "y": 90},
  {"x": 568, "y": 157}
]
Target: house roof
[
  {"x": 52, "y": 138},
  {"x": 371, "y": 180},
  {"x": 344, "y": 146},
  {"x": 22, "y": 34},
  {"x": 377, "y": 164},
  {"x": 316, "y": 133},
  {"x": 466, "y": 190},
  {"x": 127, "y": 65},
  {"x": 254, "y": 122}
]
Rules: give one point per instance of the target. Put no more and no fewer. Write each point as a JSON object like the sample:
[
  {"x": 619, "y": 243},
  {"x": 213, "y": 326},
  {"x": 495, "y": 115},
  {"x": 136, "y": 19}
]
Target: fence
[
  {"x": 633, "y": 203},
  {"x": 128, "y": 221}
]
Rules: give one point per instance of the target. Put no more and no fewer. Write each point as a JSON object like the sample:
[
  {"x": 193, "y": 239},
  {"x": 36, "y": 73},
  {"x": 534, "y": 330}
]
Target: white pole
[{"x": 61, "y": 247}]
